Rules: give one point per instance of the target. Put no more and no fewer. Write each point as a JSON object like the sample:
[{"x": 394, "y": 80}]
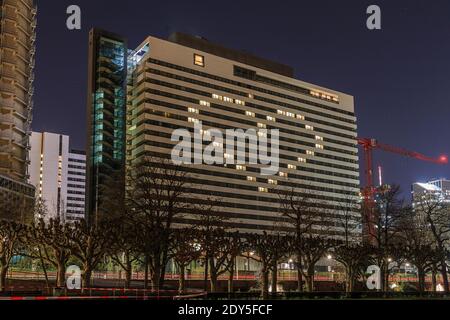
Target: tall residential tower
[{"x": 17, "y": 52}]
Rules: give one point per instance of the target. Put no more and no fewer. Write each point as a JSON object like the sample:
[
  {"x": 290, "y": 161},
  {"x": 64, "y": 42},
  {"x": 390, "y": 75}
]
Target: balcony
[
  {"x": 9, "y": 29},
  {"x": 6, "y": 120},
  {"x": 8, "y": 88}
]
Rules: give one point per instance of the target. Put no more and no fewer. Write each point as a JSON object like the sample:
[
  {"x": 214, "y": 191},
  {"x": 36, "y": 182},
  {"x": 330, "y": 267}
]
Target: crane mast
[{"x": 368, "y": 191}]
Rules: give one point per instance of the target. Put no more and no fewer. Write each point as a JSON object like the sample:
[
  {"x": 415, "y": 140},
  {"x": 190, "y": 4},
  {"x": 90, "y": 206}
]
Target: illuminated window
[
  {"x": 302, "y": 160},
  {"x": 205, "y": 103},
  {"x": 199, "y": 60},
  {"x": 308, "y": 127},
  {"x": 292, "y": 167},
  {"x": 241, "y": 168},
  {"x": 261, "y": 189},
  {"x": 250, "y": 96},
  {"x": 271, "y": 181},
  {"x": 262, "y": 134},
  {"x": 193, "y": 110},
  {"x": 299, "y": 116},
  {"x": 262, "y": 125},
  {"x": 193, "y": 120},
  {"x": 250, "y": 114},
  {"x": 240, "y": 102},
  {"x": 281, "y": 112},
  {"x": 283, "y": 174},
  {"x": 217, "y": 97},
  {"x": 270, "y": 118},
  {"x": 228, "y": 99},
  {"x": 252, "y": 179},
  {"x": 290, "y": 114},
  {"x": 319, "y": 146},
  {"x": 310, "y": 153},
  {"x": 319, "y": 138}
]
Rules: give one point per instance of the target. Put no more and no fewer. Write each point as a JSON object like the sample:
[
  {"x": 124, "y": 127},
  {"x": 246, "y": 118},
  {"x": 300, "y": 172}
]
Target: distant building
[
  {"x": 76, "y": 186},
  {"x": 58, "y": 175},
  {"x": 439, "y": 189}
]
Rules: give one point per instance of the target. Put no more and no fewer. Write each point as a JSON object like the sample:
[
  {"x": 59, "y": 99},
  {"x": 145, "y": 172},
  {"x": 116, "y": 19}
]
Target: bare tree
[
  {"x": 299, "y": 212},
  {"x": 268, "y": 249},
  {"x": 89, "y": 244},
  {"x": 437, "y": 216},
  {"x": 52, "y": 241},
  {"x": 185, "y": 249},
  {"x": 11, "y": 243},
  {"x": 418, "y": 245},
  {"x": 389, "y": 210},
  {"x": 349, "y": 249},
  {"x": 155, "y": 198}
]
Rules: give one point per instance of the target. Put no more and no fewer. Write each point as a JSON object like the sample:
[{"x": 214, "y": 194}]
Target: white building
[
  {"x": 58, "y": 175},
  {"x": 187, "y": 80},
  {"x": 439, "y": 189}
]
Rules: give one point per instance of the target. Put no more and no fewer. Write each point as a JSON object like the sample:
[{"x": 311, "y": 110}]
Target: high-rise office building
[
  {"x": 106, "y": 110},
  {"x": 59, "y": 176},
  {"x": 187, "y": 81},
  {"x": 17, "y": 52},
  {"x": 436, "y": 189}
]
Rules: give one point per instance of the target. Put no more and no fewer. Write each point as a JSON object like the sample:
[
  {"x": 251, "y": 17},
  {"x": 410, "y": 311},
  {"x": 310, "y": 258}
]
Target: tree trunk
[
  {"x": 421, "y": 275},
  {"x": 310, "y": 283},
  {"x": 162, "y": 268},
  {"x": 231, "y": 279},
  {"x": 444, "y": 275},
  {"x": 310, "y": 279},
  {"x": 265, "y": 284},
  {"x": 350, "y": 280},
  {"x": 434, "y": 278},
  {"x": 383, "y": 274},
  {"x": 146, "y": 272},
  {"x": 128, "y": 274},
  {"x": 86, "y": 278},
  {"x": 274, "y": 278},
  {"x": 299, "y": 274},
  {"x": 3, "y": 274},
  {"x": 213, "y": 275},
  {"x": 156, "y": 277},
  {"x": 61, "y": 270},
  {"x": 205, "y": 280},
  {"x": 181, "y": 281}
]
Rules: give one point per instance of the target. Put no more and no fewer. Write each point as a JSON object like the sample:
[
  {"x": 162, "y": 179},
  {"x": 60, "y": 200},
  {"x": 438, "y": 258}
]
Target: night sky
[{"x": 400, "y": 75}]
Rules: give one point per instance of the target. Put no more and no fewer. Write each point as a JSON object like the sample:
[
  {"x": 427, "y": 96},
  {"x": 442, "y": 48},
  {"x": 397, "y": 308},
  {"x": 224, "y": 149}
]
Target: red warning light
[{"x": 443, "y": 159}]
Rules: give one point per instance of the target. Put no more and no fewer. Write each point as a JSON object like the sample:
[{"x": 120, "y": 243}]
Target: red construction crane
[{"x": 368, "y": 191}]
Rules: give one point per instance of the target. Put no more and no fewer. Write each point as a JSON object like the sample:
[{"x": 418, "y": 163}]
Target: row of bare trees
[{"x": 155, "y": 220}]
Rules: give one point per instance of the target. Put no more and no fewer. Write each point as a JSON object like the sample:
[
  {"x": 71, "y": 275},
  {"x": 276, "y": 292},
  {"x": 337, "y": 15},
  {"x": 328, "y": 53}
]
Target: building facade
[
  {"x": 438, "y": 189},
  {"x": 187, "y": 81},
  {"x": 17, "y": 52},
  {"x": 106, "y": 108},
  {"x": 58, "y": 175}
]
